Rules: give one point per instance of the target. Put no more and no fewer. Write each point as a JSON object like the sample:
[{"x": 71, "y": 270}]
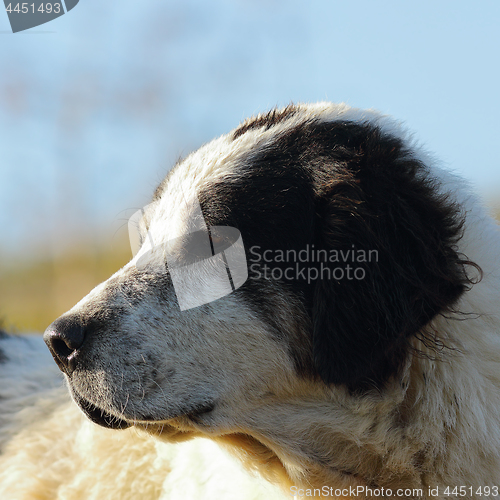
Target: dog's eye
[
  {"x": 222, "y": 237},
  {"x": 216, "y": 240},
  {"x": 190, "y": 248}
]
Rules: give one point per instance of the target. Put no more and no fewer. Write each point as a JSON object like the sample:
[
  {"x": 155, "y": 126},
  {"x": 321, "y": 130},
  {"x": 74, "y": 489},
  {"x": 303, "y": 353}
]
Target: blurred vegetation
[{"x": 35, "y": 292}]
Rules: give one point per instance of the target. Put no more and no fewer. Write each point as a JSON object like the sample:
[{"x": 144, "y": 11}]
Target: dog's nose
[{"x": 64, "y": 337}]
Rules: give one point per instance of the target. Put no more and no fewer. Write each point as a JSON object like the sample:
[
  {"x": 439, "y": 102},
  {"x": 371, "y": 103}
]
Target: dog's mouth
[
  {"x": 100, "y": 416},
  {"x": 105, "y": 419}
]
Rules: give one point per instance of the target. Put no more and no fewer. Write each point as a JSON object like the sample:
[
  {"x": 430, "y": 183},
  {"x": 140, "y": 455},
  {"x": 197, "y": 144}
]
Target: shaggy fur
[{"x": 375, "y": 368}]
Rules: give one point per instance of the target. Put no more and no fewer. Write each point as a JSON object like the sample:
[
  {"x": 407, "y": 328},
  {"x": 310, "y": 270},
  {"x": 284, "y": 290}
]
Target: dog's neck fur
[
  {"x": 437, "y": 426},
  {"x": 386, "y": 443}
]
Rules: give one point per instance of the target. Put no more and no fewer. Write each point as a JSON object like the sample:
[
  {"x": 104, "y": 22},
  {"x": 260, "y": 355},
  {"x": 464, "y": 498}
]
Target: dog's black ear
[{"x": 392, "y": 238}]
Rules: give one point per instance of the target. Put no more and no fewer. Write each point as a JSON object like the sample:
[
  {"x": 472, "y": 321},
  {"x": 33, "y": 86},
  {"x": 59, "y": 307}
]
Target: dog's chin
[
  {"x": 100, "y": 416},
  {"x": 109, "y": 421}
]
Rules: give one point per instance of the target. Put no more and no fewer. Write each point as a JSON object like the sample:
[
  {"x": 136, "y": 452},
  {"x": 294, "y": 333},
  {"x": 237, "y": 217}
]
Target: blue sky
[{"x": 98, "y": 104}]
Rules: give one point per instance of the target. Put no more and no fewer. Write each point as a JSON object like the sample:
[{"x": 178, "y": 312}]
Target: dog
[{"x": 357, "y": 357}]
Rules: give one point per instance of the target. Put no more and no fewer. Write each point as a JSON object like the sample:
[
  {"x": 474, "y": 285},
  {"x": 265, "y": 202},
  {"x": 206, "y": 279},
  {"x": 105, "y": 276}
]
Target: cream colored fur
[{"x": 52, "y": 452}]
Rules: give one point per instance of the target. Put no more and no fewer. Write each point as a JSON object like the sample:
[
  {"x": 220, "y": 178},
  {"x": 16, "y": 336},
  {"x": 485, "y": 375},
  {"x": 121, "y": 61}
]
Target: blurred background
[{"x": 97, "y": 105}]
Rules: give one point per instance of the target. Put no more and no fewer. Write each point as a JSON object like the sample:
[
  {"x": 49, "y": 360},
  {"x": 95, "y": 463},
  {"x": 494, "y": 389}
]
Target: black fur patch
[
  {"x": 267, "y": 120},
  {"x": 380, "y": 197},
  {"x": 339, "y": 186}
]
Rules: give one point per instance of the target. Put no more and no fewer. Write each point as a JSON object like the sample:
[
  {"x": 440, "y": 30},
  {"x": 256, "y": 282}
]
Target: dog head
[{"x": 351, "y": 246}]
